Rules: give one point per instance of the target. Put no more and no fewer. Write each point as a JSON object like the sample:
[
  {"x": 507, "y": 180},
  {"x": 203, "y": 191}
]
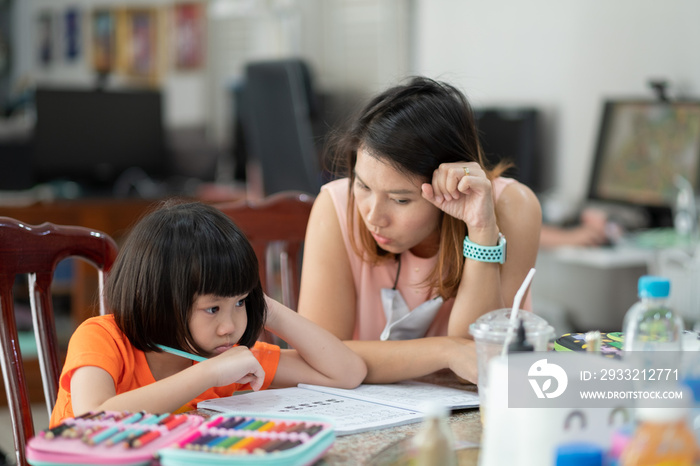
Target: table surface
[
  {"x": 384, "y": 446},
  {"x": 376, "y": 447},
  {"x": 379, "y": 447}
]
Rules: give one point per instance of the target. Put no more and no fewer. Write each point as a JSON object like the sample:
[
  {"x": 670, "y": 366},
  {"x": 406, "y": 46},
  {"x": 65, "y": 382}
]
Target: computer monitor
[
  {"x": 93, "y": 136},
  {"x": 642, "y": 146},
  {"x": 512, "y": 134}
]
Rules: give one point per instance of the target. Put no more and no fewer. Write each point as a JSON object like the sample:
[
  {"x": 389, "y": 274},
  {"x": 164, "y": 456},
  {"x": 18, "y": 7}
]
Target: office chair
[
  {"x": 276, "y": 109},
  {"x": 35, "y": 251},
  {"x": 276, "y": 227}
]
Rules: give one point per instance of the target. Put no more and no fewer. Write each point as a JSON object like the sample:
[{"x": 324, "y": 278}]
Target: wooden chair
[
  {"x": 275, "y": 226},
  {"x": 35, "y": 251}
]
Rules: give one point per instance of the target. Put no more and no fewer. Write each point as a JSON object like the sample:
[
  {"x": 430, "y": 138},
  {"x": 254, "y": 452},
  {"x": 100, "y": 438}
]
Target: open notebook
[{"x": 364, "y": 408}]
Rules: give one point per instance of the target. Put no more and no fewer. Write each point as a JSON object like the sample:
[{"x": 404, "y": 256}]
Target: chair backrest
[
  {"x": 35, "y": 251},
  {"x": 278, "y": 99},
  {"x": 275, "y": 226}
]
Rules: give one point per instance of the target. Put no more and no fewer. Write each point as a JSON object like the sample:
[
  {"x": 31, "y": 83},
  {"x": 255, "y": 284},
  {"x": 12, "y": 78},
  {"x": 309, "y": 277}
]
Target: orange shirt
[{"x": 99, "y": 342}]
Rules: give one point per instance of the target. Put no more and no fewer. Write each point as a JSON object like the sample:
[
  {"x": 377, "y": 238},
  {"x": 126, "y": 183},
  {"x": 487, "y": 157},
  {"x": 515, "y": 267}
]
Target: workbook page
[
  {"x": 409, "y": 395},
  {"x": 349, "y": 415}
]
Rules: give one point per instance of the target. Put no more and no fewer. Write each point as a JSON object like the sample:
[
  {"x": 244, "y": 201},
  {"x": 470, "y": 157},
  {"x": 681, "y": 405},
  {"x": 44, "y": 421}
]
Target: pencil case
[
  {"x": 109, "y": 438},
  {"x": 245, "y": 438}
]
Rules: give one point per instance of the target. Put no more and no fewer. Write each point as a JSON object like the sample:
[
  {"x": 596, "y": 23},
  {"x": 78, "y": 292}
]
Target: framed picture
[
  {"x": 104, "y": 40},
  {"x": 188, "y": 31},
  {"x": 139, "y": 41},
  {"x": 45, "y": 32},
  {"x": 72, "y": 33}
]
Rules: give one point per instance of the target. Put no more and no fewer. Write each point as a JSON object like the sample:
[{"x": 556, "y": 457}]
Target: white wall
[
  {"x": 564, "y": 56},
  {"x": 353, "y": 47},
  {"x": 186, "y": 105}
]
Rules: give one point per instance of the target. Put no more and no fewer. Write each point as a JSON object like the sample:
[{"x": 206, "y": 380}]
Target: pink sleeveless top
[{"x": 370, "y": 279}]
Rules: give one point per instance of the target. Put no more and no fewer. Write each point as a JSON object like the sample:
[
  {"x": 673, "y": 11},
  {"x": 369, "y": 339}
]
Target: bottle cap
[
  {"x": 650, "y": 286},
  {"x": 620, "y": 439},
  {"x": 434, "y": 409},
  {"x": 665, "y": 414},
  {"x": 579, "y": 454}
]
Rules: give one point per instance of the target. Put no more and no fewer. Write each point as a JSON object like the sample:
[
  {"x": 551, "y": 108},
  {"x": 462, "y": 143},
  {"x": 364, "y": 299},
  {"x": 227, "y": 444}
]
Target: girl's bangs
[{"x": 227, "y": 271}]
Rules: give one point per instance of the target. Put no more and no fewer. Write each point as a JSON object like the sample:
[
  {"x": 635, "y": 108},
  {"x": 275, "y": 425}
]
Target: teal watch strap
[{"x": 486, "y": 253}]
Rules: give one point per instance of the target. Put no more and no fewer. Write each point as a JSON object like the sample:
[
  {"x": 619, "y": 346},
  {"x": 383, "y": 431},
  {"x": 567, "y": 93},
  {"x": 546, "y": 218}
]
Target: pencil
[{"x": 181, "y": 353}]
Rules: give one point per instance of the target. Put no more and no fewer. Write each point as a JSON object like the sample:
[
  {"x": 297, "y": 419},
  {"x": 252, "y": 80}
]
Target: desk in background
[
  {"x": 581, "y": 289},
  {"x": 592, "y": 288}
]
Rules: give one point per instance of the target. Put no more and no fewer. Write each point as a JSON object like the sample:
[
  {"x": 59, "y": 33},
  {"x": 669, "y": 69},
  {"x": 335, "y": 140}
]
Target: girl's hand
[
  {"x": 237, "y": 365},
  {"x": 462, "y": 191}
]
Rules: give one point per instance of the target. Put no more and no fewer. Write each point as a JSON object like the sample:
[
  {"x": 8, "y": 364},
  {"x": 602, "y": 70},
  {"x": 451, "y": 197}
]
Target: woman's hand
[
  {"x": 463, "y": 359},
  {"x": 463, "y": 191}
]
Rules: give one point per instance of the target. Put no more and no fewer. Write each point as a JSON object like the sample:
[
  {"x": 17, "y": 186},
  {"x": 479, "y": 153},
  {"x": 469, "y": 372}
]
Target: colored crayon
[
  {"x": 156, "y": 418},
  {"x": 144, "y": 439},
  {"x": 214, "y": 442},
  {"x": 272, "y": 445},
  {"x": 254, "y": 425},
  {"x": 215, "y": 422},
  {"x": 168, "y": 418},
  {"x": 288, "y": 444},
  {"x": 232, "y": 422},
  {"x": 197, "y": 443},
  {"x": 226, "y": 444},
  {"x": 173, "y": 423},
  {"x": 89, "y": 433},
  {"x": 103, "y": 435},
  {"x": 244, "y": 424},
  {"x": 252, "y": 446},
  {"x": 281, "y": 427},
  {"x": 133, "y": 418},
  {"x": 190, "y": 438},
  {"x": 297, "y": 428},
  {"x": 126, "y": 434},
  {"x": 56, "y": 431},
  {"x": 269, "y": 425},
  {"x": 313, "y": 430},
  {"x": 242, "y": 444},
  {"x": 90, "y": 415}
]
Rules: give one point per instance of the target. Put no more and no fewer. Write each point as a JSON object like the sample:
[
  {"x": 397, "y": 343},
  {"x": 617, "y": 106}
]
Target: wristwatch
[{"x": 486, "y": 253}]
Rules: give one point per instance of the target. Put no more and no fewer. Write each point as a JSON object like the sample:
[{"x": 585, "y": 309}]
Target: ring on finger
[{"x": 466, "y": 171}]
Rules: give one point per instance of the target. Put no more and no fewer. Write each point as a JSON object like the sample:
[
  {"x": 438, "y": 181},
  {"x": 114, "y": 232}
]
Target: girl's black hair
[{"x": 174, "y": 254}]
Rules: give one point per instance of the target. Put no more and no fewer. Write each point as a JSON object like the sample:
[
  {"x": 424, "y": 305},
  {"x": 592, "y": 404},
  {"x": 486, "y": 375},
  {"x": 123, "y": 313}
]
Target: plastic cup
[{"x": 489, "y": 332}]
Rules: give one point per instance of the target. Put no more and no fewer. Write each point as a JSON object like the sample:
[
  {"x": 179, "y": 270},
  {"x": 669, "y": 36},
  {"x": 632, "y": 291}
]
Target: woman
[{"x": 384, "y": 261}]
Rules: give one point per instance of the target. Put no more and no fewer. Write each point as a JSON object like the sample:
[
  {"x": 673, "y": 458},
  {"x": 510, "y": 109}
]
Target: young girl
[
  {"x": 408, "y": 249},
  {"x": 187, "y": 278}
]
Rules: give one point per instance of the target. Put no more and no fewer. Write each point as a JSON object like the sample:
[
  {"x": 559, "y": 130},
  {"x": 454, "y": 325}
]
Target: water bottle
[
  {"x": 434, "y": 443},
  {"x": 650, "y": 324},
  {"x": 662, "y": 437}
]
